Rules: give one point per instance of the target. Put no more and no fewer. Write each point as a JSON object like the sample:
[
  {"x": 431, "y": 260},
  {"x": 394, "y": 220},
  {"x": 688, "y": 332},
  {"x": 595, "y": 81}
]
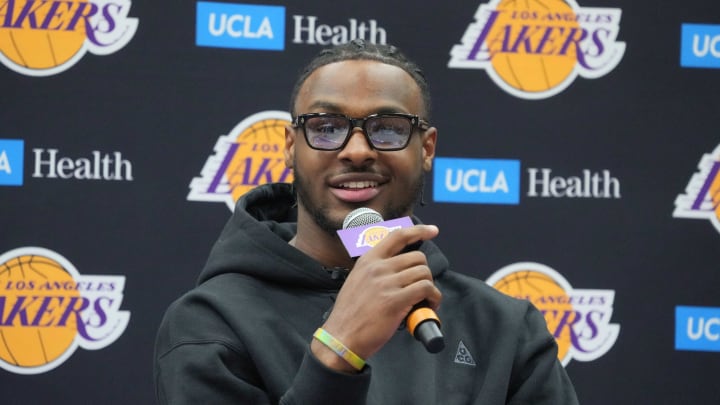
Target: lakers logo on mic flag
[{"x": 360, "y": 239}]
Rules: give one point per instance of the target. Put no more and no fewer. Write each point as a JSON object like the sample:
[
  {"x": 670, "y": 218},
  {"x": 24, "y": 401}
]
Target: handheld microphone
[{"x": 365, "y": 227}]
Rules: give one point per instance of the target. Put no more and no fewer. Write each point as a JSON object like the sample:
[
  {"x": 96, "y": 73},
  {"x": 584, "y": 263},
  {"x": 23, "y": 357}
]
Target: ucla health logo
[
  {"x": 484, "y": 181},
  {"x": 48, "y": 310},
  {"x": 700, "y": 46},
  {"x": 578, "y": 319},
  {"x": 697, "y": 328},
  {"x": 242, "y": 26},
  {"x": 701, "y": 199},
  {"x": 52, "y": 164},
  {"x": 535, "y": 49},
  {"x": 11, "y": 162},
  {"x": 43, "y": 38},
  {"x": 250, "y": 155}
]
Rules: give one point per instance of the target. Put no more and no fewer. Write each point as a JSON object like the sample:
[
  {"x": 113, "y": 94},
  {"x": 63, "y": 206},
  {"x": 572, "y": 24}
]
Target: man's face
[{"x": 330, "y": 184}]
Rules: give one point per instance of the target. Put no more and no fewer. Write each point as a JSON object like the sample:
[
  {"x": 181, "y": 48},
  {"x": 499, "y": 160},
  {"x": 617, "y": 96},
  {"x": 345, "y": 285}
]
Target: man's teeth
[{"x": 359, "y": 184}]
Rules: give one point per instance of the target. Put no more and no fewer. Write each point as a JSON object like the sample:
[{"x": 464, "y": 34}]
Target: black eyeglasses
[{"x": 384, "y": 132}]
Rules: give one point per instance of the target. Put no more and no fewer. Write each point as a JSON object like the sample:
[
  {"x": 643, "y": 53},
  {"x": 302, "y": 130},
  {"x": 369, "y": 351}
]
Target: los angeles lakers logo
[
  {"x": 250, "y": 155},
  {"x": 535, "y": 49},
  {"x": 579, "y": 319},
  {"x": 701, "y": 199},
  {"x": 373, "y": 235},
  {"x": 48, "y": 310},
  {"x": 43, "y": 38}
]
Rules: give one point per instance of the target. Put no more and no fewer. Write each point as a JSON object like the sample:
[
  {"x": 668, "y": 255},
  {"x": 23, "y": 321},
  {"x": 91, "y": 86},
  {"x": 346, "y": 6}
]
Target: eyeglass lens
[{"x": 385, "y": 132}]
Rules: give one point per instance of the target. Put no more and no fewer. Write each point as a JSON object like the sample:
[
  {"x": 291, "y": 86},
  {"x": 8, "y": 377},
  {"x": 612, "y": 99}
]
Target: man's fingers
[
  {"x": 399, "y": 239},
  {"x": 417, "y": 282}
]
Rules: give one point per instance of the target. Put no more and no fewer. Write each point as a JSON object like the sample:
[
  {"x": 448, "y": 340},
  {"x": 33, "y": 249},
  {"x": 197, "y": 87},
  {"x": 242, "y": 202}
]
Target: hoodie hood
[{"x": 255, "y": 240}]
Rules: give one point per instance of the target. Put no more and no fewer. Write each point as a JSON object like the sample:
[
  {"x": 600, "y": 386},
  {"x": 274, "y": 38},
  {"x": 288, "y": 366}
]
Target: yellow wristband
[{"x": 339, "y": 348}]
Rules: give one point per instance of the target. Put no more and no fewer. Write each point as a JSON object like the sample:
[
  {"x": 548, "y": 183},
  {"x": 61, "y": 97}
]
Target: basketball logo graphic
[
  {"x": 534, "y": 286},
  {"x": 46, "y": 38},
  {"x": 701, "y": 199},
  {"x": 578, "y": 319},
  {"x": 250, "y": 155},
  {"x": 523, "y": 67},
  {"x": 49, "y": 310},
  {"x": 371, "y": 236},
  {"x": 33, "y": 345},
  {"x": 535, "y": 49}
]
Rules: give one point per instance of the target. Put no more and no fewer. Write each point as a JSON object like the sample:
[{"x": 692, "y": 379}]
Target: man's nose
[{"x": 358, "y": 148}]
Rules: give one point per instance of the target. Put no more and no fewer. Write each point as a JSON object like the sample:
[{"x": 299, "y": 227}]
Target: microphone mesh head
[{"x": 361, "y": 216}]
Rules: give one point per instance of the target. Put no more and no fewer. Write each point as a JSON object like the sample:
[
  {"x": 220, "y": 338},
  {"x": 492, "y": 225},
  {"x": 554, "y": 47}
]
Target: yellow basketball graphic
[
  {"x": 548, "y": 296},
  {"x": 38, "y": 333},
  {"x": 49, "y": 40},
  {"x": 544, "y": 67},
  {"x": 259, "y": 158},
  {"x": 373, "y": 235}
]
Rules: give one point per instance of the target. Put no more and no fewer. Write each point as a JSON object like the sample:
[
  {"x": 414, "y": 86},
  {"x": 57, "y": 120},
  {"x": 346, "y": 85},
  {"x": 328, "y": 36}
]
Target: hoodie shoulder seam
[{"x": 228, "y": 345}]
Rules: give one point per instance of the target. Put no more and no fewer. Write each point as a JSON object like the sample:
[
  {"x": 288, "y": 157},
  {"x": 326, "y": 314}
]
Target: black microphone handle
[{"x": 427, "y": 328}]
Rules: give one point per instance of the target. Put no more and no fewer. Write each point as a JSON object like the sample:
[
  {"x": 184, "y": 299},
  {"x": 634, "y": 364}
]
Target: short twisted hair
[{"x": 359, "y": 49}]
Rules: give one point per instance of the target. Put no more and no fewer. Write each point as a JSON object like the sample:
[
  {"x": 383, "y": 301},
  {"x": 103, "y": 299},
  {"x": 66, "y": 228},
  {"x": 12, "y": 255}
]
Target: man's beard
[{"x": 320, "y": 213}]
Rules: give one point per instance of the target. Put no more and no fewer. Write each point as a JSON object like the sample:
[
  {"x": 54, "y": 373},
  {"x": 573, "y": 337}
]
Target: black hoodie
[{"x": 242, "y": 335}]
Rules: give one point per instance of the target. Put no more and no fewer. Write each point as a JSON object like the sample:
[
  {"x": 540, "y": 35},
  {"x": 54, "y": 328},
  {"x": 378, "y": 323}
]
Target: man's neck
[{"x": 320, "y": 245}]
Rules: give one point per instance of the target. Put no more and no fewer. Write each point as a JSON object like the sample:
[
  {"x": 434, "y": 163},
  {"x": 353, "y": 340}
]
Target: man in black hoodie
[{"x": 283, "y": 314}]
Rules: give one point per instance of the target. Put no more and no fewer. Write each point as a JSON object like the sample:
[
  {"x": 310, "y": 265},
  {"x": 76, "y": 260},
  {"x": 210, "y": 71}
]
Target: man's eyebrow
[
  {"x": 325, "y": 105},
  {"x": 335, "y": 108},
  {"x": 390, "y": 110}
]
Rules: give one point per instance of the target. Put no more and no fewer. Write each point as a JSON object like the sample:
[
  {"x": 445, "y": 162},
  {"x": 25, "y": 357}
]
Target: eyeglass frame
[{"x": 415, "y": 121}]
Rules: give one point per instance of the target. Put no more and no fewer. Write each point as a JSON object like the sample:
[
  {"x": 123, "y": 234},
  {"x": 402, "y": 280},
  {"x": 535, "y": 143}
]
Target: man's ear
[
  {"x": 289, "y": 151},
  {"x": 428, "y": 148}
]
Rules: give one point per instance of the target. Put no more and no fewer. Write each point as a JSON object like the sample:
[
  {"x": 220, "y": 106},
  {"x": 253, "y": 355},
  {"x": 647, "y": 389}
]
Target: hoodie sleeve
[
  {"x": 317, "y": 384},
  {"x": 538, "y": 378},
  {"x": 201, "y": 372},
  {"x": 195, "y": 363}
]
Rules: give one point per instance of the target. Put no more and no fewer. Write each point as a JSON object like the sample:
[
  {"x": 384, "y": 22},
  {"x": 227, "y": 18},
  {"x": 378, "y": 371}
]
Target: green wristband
[{"x": 340, "y": 349}]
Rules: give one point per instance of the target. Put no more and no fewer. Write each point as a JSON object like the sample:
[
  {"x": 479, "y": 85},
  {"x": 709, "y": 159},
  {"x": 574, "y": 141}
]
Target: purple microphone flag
[{"x": 360, "y": 239}]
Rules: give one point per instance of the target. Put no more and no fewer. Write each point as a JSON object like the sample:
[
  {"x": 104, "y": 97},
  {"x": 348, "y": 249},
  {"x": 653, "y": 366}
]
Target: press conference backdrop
[{"x": 578, "y": 167}]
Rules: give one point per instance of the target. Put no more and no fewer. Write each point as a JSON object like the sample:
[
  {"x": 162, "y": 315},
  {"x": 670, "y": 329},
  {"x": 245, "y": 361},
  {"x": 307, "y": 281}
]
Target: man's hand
[{"x": 378, "y": 294}]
